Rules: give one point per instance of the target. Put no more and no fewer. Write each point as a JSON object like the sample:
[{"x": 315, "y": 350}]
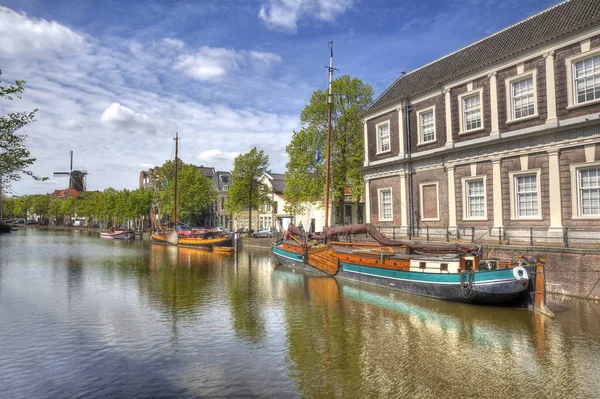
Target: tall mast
[
  {"x": 328, "y": 159},
  {"x": 175, "y": 206}
]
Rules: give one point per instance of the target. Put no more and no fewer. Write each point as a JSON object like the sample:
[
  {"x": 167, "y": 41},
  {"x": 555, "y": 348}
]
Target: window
[
  {"x": 586, "y": 75},
  {"x": 443, "y": 267},
  {"x": 422, "y": 265},
  {"x": 383, "y": 137},
  {"x": 475, "y": 199},
  {"x": 588, "y": 191},
  {"x": 426, "y": 126},
  {"x": 225, "y": 187},
  {"x": 385, "y": 204},
  {"x": 526, "y": 196},
  {"x": 472, "y": 112},
  {"x": 522, "y": 98}
]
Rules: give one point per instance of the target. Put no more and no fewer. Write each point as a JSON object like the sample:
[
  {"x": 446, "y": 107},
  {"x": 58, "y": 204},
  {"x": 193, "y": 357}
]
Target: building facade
[{"x": 502, "y": 135}]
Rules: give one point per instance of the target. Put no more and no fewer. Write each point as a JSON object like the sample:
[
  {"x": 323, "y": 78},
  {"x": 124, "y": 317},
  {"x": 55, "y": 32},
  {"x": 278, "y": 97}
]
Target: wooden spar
[
  {"x": 328, "y": 159},
  {"x": 539, "y": 301},
  {"x": 175, "y": 205}
]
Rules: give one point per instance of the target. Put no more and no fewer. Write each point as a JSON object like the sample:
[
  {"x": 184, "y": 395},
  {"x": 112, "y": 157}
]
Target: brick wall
[
  {"x": 567, "y": 272},
  {"x": 392, "y": 182},
  {"x": 394, "y": 136}
]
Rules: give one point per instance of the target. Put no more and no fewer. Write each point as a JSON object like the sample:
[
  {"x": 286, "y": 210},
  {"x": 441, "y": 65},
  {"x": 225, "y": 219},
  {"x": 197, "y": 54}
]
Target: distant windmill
[{"x": 76, "y": 177}]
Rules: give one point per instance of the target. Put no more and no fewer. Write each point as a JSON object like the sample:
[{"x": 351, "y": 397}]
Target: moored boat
[
  {"x": 450, "y": 272},
  {"x": 208, "y": 239},
  {"x": 118, "y": 234}
]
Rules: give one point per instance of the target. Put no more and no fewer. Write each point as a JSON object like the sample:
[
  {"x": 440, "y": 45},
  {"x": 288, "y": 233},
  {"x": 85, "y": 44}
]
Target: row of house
[
  {"x": 271, "y": 215},
  {"x": 501, "y": 134}
]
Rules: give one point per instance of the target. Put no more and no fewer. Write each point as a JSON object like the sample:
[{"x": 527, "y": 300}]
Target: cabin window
[
  {"x": 422, "y": 265},
  {"x": 443, "y": 267}
]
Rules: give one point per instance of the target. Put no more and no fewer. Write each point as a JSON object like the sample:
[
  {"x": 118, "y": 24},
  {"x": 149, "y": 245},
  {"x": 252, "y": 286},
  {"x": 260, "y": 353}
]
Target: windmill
[{"x": 76, "y": 177}]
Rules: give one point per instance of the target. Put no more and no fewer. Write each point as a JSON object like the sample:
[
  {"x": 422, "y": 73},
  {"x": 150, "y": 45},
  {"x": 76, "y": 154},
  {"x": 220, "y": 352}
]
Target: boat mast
[
  {"x": 328, "y": 159},
  {"x": 175, "y": 205}
]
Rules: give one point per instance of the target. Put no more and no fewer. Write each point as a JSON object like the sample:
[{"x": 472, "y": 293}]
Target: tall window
[
  {"x": 427, "y": 125},
  {"x": 523, "y": 102},
  {"x": 589, "y": 191},
  {"x": 472, "y": 112},
  {"x": 385, "y": 204},
  {"x": 587, "y": 79},
  {"x": 383, "y": 132},
  {"x": 526, "y": 196},
  {"x": 475, "y": 198}
]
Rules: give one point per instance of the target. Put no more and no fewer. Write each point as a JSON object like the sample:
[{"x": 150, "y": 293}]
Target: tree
[
  {"x": 40, "y": 205},
  {"x": 245, "y": 192},
  {"x": 305, "y": 174},
  {"x": 15, "y": 158},
  {"x": 195, "y": 192}
]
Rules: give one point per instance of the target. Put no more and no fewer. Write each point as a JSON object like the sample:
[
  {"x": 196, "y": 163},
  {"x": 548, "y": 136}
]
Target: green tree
[
  {"x": 305, "y": 176},
  {"x": 40, "y": 205},
  {"x": 195, "y": 192},
  {"x": 245, "y": 193},
  {"x": 15, "y": 158},
  {"x": 55, "y": 209}
]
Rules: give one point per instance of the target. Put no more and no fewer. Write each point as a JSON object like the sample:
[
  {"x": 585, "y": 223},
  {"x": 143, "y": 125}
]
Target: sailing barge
[{"x": 450, "y": 272}]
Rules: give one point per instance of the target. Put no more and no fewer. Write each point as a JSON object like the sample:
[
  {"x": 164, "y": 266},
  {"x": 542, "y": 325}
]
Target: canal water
[{"x": 91, "y": 318}]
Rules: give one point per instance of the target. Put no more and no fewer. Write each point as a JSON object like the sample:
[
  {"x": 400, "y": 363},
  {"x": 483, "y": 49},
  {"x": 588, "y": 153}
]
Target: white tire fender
[{"x": 520, "y": 273}]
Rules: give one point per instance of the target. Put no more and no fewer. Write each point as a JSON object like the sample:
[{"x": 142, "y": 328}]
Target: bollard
[
  {"x": 447, "y": 234},
  {"x": 472, "y": 234},
  {"x": 394, "y": 232},
  {"x": 427, "y": 233},
  {"x": 566, "y": 237}
]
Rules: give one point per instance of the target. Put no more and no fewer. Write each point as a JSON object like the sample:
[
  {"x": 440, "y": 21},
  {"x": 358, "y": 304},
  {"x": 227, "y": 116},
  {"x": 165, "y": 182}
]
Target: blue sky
[{"x": 114, "y": 80}]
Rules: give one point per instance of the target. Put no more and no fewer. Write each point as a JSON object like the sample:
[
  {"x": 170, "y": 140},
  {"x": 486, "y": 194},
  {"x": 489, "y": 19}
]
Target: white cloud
[
  {"x": 71, "y": 124},
  {"x": 284, "y": 14},
  {"x": 173, "y": 43},
  {"x": 25, "y": 36},
  {"x": 214, "y": 63},
  {"x": 217, "y": 157},
  {"x": 119, "y": 117}
]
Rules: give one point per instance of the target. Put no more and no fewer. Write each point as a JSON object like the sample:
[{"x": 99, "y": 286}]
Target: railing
[{"x": 529, "y": 236}]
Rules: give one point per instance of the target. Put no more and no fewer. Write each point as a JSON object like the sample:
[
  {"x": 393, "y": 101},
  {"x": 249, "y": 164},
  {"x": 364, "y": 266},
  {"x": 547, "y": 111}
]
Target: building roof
[
  {"x": 558, "y": 21},
  {"x": 278, "y": 182},
  {"x": 70, "y": 192},
  {"x": 207, "y": 171}
]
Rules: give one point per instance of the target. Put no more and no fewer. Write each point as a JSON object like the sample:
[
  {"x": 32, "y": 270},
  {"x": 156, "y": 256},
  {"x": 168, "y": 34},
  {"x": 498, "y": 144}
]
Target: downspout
[{"x": 411, "y": 217}]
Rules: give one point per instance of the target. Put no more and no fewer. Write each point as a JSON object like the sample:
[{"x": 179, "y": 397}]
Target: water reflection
[{"x": 94, "y": 318}]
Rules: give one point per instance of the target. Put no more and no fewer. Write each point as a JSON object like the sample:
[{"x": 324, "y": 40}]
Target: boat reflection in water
[{"x": 404, "y": 345}]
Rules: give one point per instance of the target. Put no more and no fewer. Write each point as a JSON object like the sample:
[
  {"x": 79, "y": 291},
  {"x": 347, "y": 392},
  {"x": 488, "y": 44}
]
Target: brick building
[{"x": 502, "y": 135}]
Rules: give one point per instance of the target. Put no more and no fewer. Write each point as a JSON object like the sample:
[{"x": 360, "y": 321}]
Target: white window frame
[
  {"x": 513, "y": 194},
  {"x": 461, "y": 114},
  {"x": 380, "y": 207},
  {"x": 571, "y": 92},
  {"x": 510, "y": 111},
  {"x": 575, "y": 200},
  {"x": 437, "y": 194},
  {"x": 419, "y": 127},
  {"x": 465, "y": 181},
  {"x": 379, "y": 150}
]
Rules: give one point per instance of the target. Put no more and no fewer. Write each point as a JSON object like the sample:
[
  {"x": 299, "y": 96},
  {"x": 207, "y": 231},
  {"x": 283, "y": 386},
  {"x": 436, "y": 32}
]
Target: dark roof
[
  {"x": 560, "y": 20},
  {"x": 278, "y": 182},
  {"x": 207, "y": 171}
]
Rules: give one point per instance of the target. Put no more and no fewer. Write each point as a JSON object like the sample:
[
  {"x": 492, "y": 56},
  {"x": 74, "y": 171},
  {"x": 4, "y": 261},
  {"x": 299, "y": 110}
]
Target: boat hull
[
  {"x": 167, "y": 238},
  {"x": 497, "y": 287},
  {"x": 208, "y": 243},
  {"x": 118, "y": 236}
]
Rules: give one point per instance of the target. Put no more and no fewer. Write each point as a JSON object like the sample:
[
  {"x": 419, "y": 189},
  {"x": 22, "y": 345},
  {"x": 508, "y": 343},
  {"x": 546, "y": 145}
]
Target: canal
[{"x": 85, "y": 317}]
